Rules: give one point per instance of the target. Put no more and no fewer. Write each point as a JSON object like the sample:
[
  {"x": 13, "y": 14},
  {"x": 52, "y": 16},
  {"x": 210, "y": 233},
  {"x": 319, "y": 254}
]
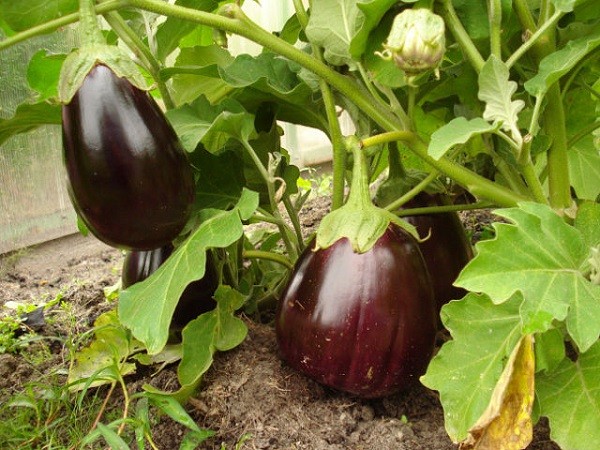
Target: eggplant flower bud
[{"x": 416, "y": 42}]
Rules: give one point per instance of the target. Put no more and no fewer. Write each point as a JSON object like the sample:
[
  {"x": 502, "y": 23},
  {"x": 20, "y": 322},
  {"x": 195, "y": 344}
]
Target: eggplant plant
[{"x": 498, "y": 100}]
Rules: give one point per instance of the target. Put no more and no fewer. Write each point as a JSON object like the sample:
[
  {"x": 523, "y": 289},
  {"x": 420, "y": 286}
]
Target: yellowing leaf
[{"x": 506, "y": 423}]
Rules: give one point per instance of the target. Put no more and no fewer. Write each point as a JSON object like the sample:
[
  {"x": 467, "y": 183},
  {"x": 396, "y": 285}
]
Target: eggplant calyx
[
  {"x": 358, "y": 220},
  {"x": 79, "y": 63}
]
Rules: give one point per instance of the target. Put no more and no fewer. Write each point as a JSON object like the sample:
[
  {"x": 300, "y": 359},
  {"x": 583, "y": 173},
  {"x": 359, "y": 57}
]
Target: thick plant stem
[
  {"x": 558, "y": 158},
  {"x": 335, "y": 132},
  {"x": 88, "y": 24},
  {"x": 495, "y": 18},
  {"x": 524, "y": 15},
  {"x": 442, "y": 209},
  {"x": 533, "y": 182},
  {"x": 268, "y": 256},
  {"x": 293, "y": 215},
  {"x": 461, "y": 35}
]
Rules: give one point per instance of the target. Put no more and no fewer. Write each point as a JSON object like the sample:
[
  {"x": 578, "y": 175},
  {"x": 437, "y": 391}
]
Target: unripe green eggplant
[{"x": 128, "y": 176}]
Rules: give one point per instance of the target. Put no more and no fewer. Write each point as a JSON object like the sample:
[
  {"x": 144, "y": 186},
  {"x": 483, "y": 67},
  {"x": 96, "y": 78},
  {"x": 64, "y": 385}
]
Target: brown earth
[{"x": 248, "y": 394}]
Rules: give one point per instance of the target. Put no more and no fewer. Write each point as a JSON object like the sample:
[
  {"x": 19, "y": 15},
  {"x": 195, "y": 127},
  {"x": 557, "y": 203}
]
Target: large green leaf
[
  {"x": 252, "y": 81},
  {"x": 584, "y": 168},
  {"x": 588, "y": 223},
  {"x": 213, "y": 126},
  {"x": 146, "y": 307},
  {"x": 220, "y": 179},
  {"x": 29, "y": 116},
  {"x": 557, "y": 64},
  {"x": 21, "y": 15},
  {"x": 270, "y": 78},
  {"x": 43, "y": 73},
  {"x": 496, "y": 90},
  {"x": 466, "y": 369},
  {"x": 195, "y": 73},
  {"x": 333, "y": 24},
  {"x": 541, "y": 256},
  {"x": 570, "y": 398}
]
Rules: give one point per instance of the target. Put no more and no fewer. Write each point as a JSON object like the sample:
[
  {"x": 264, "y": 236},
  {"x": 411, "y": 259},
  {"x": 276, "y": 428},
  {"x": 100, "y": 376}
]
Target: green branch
[
  {"x": 461, "y": 35},
  {"x": 495, "y": 19},
  {"x": 335, "y": 132},
  {"x": 269, "y": 256},
  {"x": 531, "y": 41},
  {"x": 442, "y": 209}
]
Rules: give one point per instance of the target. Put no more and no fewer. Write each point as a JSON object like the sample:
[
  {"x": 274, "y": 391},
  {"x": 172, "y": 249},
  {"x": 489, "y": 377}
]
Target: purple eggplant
[
  {"x": 128, "y": 176},
  {"x": 197, "y": 297},
  {"x": 447, "y": 250},
  {"x": 363, "y": 323}
]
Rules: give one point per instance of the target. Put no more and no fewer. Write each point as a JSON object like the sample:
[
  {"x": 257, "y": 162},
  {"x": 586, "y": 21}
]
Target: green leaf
[
  {"x": 213, "y": 126},
  {"x": 564, "y": 5},
  {"x": 147, "y": 307},
  {"x": 196, "y": 73},
  {"x": 112, "y": 344},
  {"x": 496, "y": 90},
  {"x": 557, "y": 64},
  {"x": 588, "y": 223},
  {"x": 457, "y": 131},
  {"x": 549, "y": 350},
  {"x": 220, "y": 180},
  {"x": 541, "y": 256},
  {"x": 43, "y": 73},
  {"x": 172, "y": 30},
  {"x": 335, "y": 36},
  {"x": 114, "y": 441},
  {"x": 193, "y": 439},
  {"x": 474, "y": 17},
  {"x": 373, "y": 11},
  {"x": 29, "y": 116},
  {"x": 270, "y": 78},
  {"x": 21, "y": 15},
  {"x": 383, "y": 71},
  {"x": 217, "y": 330},
  {"x": 173, "y": 409},
  {"x": 570, "y": 398},
  {"x": 584, "y": 168},
  {"x": 466, "y": 369}
]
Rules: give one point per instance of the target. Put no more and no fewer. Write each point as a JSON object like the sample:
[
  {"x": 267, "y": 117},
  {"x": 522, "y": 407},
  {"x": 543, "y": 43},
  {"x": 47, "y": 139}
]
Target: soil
[{"x": 248, "y": 394}]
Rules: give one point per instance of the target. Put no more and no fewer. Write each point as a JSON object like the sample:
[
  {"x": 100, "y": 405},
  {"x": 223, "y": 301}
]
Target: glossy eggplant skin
[
  {"x": 447, "y": 250},
  {"x": 128, "y": 176},
  {"x": 196, "y": 299},
  {"x": 360, "y": 323}
]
